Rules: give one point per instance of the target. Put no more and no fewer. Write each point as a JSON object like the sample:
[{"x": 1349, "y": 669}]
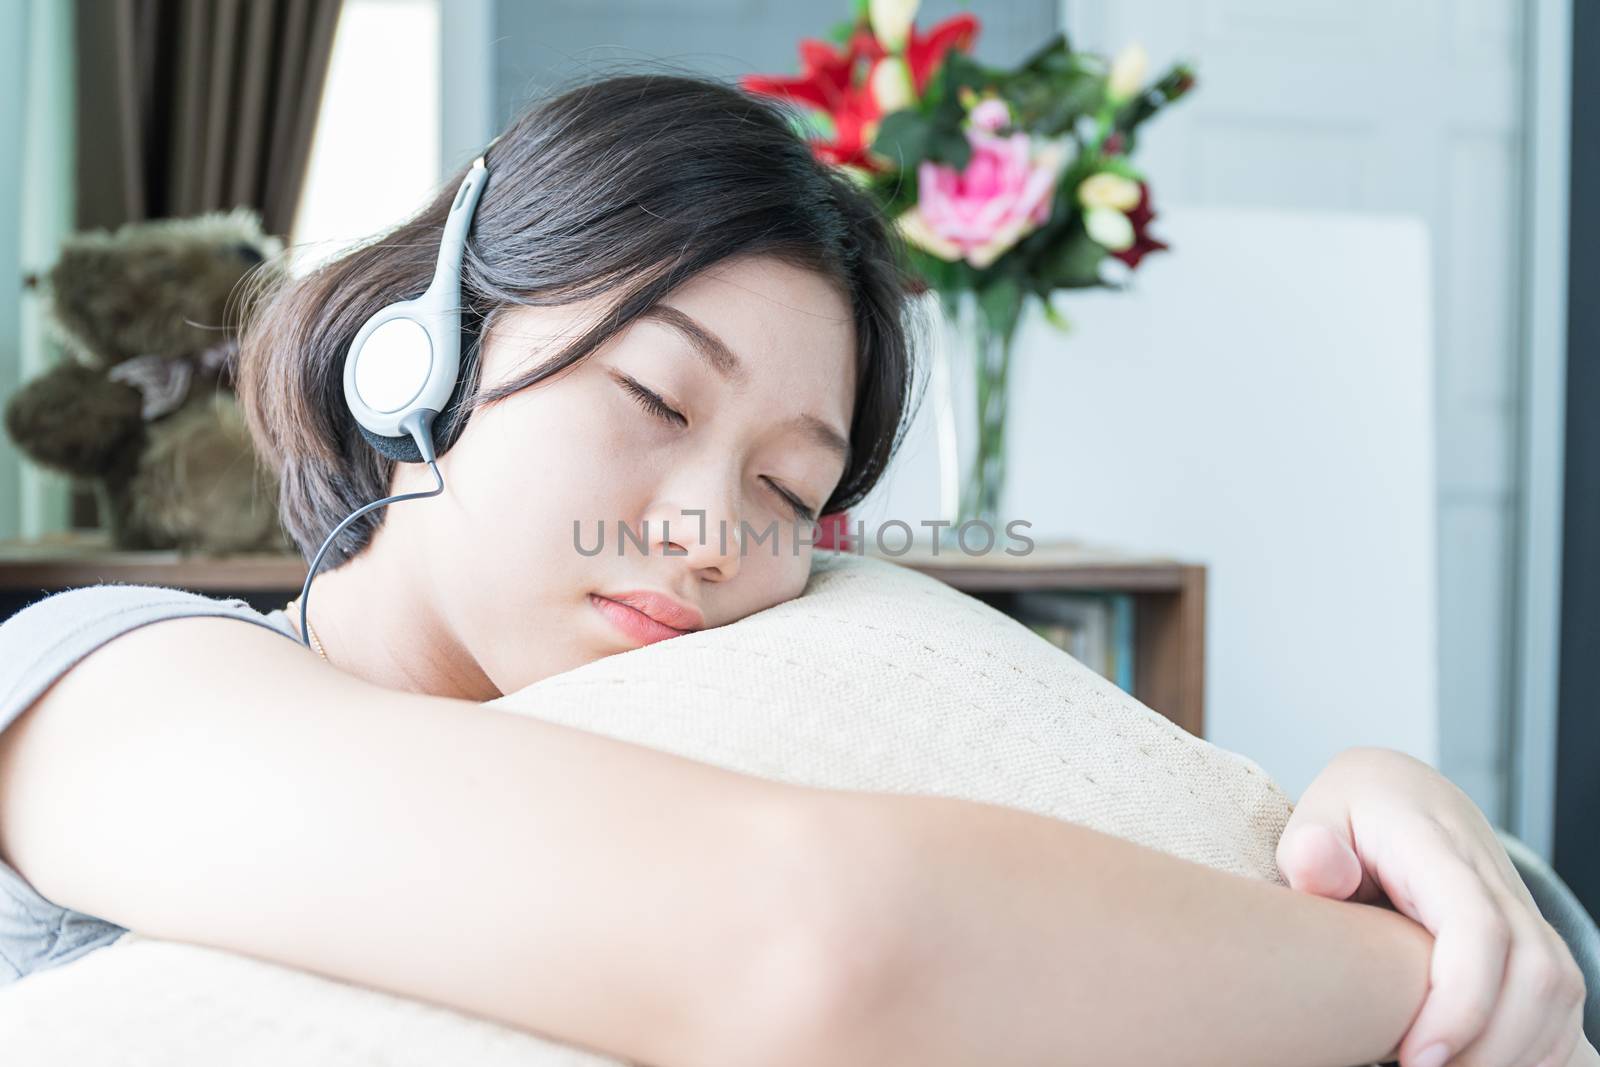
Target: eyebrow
[
  {"x": 726, "y": 363},
  {"x": 707, "y": 344}
]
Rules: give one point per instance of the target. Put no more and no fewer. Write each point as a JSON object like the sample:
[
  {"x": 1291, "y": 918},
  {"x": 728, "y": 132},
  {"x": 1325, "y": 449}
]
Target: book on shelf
[{"x": 1096, "y": 629}]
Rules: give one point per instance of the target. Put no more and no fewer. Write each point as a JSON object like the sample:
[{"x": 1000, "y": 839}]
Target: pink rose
[
  {"x": 1003, "y": 194},
  {"x": 990, "y": 114}
]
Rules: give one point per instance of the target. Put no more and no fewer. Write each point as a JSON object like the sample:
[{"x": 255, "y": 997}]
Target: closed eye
[
  {"x": 651, "y": 402},
  {"x": 801, "y": 512}
]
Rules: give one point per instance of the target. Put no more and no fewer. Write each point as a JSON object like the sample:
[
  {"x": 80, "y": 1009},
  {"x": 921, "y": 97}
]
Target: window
[{"x": 375, "y": 155}]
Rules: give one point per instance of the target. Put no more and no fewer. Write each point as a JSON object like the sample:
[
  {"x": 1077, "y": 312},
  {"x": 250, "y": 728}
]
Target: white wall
[
  {"x": 1261, "y": 402},
  {"x": 542, "y": 46},
  {"x": 1417, "y": 108},
  {"x": 466, "y": 83}
]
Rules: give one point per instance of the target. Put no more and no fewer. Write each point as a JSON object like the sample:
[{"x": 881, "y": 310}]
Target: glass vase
[{"x": 970, "y": 384}]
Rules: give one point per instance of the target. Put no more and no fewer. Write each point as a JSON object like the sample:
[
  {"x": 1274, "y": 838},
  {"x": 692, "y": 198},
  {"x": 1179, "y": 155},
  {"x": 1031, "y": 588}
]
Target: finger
[
  {"x": 1567, "y": 1045},
  {"x": 1317, "y": 852},
  {"x": 1555, "y": 1052},
  {"x": 1537, "y": 1016},
  {"x": 1315, "y": 859},
  {"x": 1472, "y": 939}
]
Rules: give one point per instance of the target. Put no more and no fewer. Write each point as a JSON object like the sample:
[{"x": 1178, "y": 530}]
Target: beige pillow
[{"x": 876, "y": 677}]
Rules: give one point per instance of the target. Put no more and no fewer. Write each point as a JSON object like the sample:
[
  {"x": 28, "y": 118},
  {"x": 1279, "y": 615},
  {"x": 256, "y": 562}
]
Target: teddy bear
[{"x": 142, "y": 405}]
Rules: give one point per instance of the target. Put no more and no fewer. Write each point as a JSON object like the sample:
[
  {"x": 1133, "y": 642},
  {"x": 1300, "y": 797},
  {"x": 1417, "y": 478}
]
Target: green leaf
[
  {"x": 1055, "y": 91},
  {"x": 903, "y": 136},
  {"x": 960, "y": 69},
  {"x": 894, "y": 191},
  {"x": 1049, "y": 53},
  {"x": 940, "y": 274},
  {"x": 1119, "y": 166},
  {"x": 1053, "y": 315},
  {"x": 1001, "y": 304},
  {"x": 1073, "y": 262},
  {"x": 1176, "y": 83},
  {"x": 1083, "y": 92},
  {"x": 950, "y": 146},
  {"x": 957, "y": 71}
]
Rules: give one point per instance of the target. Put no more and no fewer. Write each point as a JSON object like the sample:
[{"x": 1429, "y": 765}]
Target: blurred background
[{"x": 1356, "y": 388}]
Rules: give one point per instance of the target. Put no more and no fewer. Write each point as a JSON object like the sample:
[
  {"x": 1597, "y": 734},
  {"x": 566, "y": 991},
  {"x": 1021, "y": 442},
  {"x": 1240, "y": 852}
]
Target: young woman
[{"x": 674, "y": 316}]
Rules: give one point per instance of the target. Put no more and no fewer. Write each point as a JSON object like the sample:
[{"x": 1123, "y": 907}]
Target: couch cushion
[{"x": 876, "y": 677}]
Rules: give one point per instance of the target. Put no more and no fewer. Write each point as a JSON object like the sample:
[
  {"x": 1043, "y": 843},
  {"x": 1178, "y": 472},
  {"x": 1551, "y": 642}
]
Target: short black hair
[{"x": 621, "y": 187}]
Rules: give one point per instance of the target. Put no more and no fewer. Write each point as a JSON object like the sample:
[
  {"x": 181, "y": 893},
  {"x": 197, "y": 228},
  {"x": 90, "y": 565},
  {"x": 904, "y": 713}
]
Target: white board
[{"x": 1259, "y": 401}]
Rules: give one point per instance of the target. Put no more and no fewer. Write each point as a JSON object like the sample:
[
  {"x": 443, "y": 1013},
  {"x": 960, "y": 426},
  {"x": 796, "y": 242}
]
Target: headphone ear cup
[
  {"x": 415, "y": 368},
  {"x": 404, "y": 449}
]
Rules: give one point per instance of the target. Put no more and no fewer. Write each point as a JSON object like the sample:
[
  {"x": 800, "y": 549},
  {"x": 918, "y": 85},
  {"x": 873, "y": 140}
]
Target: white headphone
[{"x": 403, "y": 366}]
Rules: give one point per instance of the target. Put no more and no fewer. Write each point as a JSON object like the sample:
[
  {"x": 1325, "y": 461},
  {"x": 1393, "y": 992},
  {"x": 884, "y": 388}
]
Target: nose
[
  {"x": 699, "y": 527},
  {"x": 706, "y": 541}
]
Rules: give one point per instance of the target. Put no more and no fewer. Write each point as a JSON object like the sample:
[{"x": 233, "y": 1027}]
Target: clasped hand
[{"x": 1377, "y": 826}]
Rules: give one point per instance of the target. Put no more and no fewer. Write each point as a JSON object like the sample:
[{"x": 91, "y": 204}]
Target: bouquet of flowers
[{"x": 1003, "y": 183}]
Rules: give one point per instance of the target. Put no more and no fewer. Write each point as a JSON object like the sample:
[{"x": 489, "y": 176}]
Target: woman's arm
[
  {"x": 206, "y": 781},
  {"x": 1013, "y": 938},
  {"x": 650, "y": 906}
]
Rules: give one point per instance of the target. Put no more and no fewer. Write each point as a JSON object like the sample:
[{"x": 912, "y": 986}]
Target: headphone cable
[{"x": 420, "y": 426}]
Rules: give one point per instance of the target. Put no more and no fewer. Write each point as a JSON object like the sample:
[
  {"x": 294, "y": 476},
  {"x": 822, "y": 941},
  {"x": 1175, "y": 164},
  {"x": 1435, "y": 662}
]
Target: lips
[
  {"x": 660, "y": 607},
  {"x": 647, "y": 617}
]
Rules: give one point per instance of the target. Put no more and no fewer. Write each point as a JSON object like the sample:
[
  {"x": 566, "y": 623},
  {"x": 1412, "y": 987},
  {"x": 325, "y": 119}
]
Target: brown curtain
[{"x": 188, "y": 106}]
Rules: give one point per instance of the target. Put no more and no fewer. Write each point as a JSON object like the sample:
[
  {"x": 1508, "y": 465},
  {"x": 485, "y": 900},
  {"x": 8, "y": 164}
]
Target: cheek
[
  {"x": 767, "y": 581},
  {"x": 541, "y": 460},
  {"x": 514, "y": 482}
]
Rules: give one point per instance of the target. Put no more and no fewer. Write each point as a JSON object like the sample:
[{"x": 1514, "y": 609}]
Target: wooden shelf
[
  {"x": 1169, "y": 598},
  {"x": 64, "y": 561},
  {"x": 1169, "y": 594},
  {"x": 1050, "y": 565}
]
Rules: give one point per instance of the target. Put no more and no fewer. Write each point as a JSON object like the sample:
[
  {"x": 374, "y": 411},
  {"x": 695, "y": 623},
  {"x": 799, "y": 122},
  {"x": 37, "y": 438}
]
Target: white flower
[
  {"x": 891, "y": 21},
  {"x": 1127, "y": 72},
  {"x": 891, "y": 84},
  {"x": 1109, "y": 227},
  {"x": 1109, "y": 190}
]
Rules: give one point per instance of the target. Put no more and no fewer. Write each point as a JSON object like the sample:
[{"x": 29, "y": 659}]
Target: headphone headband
[{"x": 404, "y": 365}]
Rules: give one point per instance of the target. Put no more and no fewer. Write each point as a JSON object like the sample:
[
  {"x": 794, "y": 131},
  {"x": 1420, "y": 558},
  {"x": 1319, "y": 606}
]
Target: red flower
[
  {"x": 925, "y": 51},
  {"x": 1143, "y": 243},
  {"x": 834, "y": 532},
  {"x": 838, "y": 83}
]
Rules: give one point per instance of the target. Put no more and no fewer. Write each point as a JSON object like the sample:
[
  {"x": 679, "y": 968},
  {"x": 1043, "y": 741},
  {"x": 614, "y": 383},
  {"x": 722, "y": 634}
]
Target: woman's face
[{"x": 542, "y": 479}]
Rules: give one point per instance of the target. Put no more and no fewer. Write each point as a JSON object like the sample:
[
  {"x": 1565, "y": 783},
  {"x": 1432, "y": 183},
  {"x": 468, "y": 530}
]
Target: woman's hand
[
  {"x": 1377, "y": 825},
  {"x": 1584, "y": 1055}
]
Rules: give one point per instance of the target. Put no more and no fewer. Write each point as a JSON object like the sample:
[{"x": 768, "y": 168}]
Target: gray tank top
[{"x": 37, "y": 646}]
